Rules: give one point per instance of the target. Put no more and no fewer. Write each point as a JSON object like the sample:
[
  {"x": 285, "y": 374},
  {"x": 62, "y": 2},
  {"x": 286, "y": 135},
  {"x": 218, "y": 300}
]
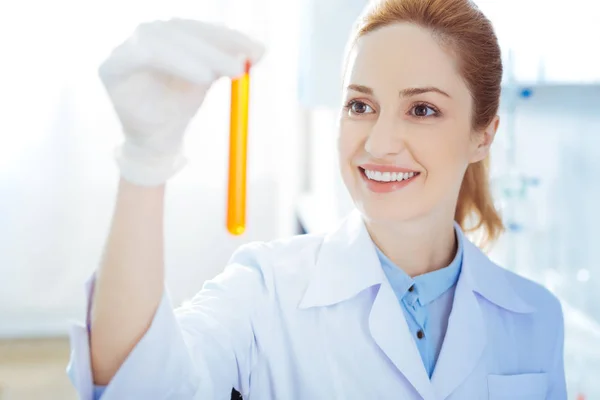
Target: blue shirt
[
  {"x": 98, "y": 391},
  {"x": 426, "y": 301}
]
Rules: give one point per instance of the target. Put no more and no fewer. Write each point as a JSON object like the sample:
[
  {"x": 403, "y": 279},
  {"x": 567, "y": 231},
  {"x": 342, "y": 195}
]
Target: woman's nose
[{"x": 385, "y": 138}]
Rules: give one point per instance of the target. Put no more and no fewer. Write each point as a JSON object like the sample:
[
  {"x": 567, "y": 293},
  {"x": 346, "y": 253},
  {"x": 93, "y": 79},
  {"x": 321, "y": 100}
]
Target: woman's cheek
[
  {"x": 350, "y": 137},
  {"x": 446, "y": 164}
]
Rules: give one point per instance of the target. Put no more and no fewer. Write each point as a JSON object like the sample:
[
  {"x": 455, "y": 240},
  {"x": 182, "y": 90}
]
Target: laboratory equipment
[{"x": 238, "y": 147}]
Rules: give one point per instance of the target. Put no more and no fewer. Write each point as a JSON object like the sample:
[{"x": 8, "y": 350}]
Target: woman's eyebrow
[
  {"x": 415, "y": 91},
  {"x": 361, "y": 88},
  {"x": 408, "y": 92}
]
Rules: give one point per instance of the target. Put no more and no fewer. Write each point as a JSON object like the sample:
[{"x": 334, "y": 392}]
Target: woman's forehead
[{"x": 403, "y": 55}]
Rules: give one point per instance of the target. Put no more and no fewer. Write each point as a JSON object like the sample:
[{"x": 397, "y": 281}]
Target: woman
[{"x": 395, "y": 303}]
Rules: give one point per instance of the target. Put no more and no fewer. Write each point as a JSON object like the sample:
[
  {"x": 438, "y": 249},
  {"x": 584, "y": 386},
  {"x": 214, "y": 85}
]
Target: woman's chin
[{"x": 393, "y": 212}]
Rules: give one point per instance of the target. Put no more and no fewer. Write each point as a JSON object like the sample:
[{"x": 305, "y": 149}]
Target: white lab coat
[{"x": 313, "y": 317}]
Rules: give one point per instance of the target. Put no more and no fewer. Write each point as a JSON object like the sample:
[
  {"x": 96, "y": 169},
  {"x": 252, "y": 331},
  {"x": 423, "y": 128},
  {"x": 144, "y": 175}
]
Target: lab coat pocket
[{"x": 514, "y": 387}]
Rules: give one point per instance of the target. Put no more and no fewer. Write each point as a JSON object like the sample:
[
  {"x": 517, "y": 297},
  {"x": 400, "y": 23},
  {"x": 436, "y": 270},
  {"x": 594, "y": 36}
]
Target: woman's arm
[
  {"x": 156, "y": 80},
  {"x": 129, "y": 283}
]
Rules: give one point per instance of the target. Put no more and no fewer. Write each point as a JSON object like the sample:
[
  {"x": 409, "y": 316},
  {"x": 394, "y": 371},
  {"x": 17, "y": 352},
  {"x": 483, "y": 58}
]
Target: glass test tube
[{"x": 238, "y": 144}]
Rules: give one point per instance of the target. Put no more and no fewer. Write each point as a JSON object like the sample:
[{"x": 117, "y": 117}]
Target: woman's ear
[{"x": 484, "y": 141}]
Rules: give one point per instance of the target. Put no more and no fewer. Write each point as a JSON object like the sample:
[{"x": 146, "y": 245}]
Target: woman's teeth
[{"x": 389, "y": 176}]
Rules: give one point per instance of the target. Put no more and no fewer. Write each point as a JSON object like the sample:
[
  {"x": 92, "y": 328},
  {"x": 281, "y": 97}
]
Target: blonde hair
[{"x": 460, "y": 27}]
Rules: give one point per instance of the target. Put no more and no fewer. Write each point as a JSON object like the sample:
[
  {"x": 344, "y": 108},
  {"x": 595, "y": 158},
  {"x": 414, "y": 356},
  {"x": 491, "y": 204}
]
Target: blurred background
[{"x": 58, "y": 181}]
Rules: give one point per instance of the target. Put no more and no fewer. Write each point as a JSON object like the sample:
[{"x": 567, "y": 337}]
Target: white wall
[{"x": 557, "y": 134}]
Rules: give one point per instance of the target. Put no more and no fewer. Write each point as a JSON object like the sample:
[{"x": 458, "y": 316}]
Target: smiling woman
[
  {"x": 428, "y": 106},
  {"x": 394, "y": 303}
]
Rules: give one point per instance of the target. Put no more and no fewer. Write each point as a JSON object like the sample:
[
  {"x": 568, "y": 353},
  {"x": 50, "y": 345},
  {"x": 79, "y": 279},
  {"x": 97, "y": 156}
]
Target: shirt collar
[{"x": 428, "y": 286}]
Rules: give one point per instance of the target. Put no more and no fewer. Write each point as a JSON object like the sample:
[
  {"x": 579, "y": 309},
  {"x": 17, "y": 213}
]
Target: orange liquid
[{"x": 238, "y": 147}]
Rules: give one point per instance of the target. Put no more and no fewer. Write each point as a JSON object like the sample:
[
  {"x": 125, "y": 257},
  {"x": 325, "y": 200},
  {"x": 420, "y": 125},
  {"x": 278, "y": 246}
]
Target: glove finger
[
  {"x": 123, "y": 61},
  {"x": 226, "y": 39},
  {"x": 218, "y": 60},
  {"x": 150, "y": 47}
]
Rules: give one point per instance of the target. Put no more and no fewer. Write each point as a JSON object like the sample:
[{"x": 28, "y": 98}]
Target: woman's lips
[
  {"x": 387, "y": 187},
  {"x": 385, "y": 168}
]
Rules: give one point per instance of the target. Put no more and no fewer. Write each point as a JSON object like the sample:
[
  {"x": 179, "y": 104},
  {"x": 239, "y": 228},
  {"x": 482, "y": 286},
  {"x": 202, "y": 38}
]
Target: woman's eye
[
  {"x": 358, "y": 107},
  {"x": 423, "y": 110}
]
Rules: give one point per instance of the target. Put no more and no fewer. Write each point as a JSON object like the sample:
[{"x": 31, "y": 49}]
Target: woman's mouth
[{"x": 385, "y": 182}]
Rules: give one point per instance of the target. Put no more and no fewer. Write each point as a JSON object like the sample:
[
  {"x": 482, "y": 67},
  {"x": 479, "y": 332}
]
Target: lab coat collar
[
  {"x": 347, "y": 264},
  {"x": 491, "y": 281}
]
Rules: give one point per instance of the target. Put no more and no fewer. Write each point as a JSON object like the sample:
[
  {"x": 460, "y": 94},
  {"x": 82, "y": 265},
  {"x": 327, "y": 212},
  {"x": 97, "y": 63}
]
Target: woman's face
[{"x": 405, "y": 137}]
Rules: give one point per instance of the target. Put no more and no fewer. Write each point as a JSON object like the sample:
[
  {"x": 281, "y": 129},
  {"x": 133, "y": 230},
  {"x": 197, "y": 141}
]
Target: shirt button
[
  {"x": 411, "y": 288},
  {"x": 420, "y": 334}
]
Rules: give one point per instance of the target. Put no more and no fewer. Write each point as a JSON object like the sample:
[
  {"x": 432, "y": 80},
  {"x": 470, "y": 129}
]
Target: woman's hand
[{"x": 157, "y": 79}]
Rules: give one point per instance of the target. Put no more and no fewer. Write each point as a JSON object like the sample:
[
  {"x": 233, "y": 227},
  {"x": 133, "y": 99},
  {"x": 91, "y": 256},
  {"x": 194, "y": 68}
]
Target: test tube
[{"x": 238, "y": 145}]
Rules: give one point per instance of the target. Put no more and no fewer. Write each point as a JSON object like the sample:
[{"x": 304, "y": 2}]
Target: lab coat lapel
[
  {"x": 390, "y": 331},
  {"x": 466, "y": 336}
]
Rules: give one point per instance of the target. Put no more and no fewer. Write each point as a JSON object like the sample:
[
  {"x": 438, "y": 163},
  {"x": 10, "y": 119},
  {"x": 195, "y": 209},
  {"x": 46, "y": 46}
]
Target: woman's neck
[{"x": 417, "y": 247}]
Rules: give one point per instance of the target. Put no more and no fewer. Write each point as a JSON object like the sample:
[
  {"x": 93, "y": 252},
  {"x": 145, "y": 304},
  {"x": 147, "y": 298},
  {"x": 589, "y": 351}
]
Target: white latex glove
[{"x": 157, "y": 80}]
